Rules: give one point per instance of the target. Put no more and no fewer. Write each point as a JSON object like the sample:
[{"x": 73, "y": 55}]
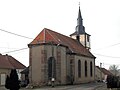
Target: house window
[
  {"x": 91, "y": 71},
  {"x": 79, "y": 68},
  {"x": 85, "y": 68}
]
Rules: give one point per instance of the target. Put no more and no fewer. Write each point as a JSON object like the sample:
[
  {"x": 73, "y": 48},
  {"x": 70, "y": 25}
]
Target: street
[{"x": 89, "y": 86}]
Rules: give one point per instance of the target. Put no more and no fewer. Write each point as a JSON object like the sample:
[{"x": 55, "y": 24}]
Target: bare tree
[{"x": 114, "y": 69}]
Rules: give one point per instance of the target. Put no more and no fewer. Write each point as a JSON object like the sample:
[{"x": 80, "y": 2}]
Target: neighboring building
[
  {"x": 54, "y": 55},
  {"x": 101, "y": 73},
  {"x": 25, "y": 74},
  {"x": 6, "y": 64}
]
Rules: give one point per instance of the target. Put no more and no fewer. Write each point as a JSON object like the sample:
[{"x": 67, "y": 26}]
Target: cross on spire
[{"x": 79, "y": 4}]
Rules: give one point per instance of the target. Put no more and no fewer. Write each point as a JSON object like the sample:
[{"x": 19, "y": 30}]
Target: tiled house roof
[
  {"x": 25, "y": 71},
  {"x": 46, "y": 36},
  {"x": 9, "y": 62},
  {"x": 105, "y": 71}
]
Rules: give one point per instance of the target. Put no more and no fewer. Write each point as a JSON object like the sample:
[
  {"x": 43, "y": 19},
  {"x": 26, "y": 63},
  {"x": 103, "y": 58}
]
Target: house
[
  {"x": 6, "y": 64},
  {"x": 25, "y": 75},
  {"x": 64, "y": 59},
  {"x": 101, "y": 73}
]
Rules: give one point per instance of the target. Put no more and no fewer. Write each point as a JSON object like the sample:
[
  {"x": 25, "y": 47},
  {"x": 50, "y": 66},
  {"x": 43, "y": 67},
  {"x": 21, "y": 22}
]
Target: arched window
[
  {"x": 91, "y": 69},
  {"x": 85, "y": 68},
  {"x": 79, "y": 68},
  {"x": 71, "y": 67},
  {"x": 51, "y": 68}
]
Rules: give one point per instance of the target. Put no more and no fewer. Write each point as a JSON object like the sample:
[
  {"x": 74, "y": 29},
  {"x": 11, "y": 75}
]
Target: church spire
[
  {"x": 79, "y": 17},
  {"x": 80, "y": 35},
  {"x": 79, "y": 27}
]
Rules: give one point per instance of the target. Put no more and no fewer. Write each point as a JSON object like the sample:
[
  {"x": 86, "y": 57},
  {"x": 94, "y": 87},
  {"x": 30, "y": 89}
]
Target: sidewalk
[{"x": 88, "y": 86}]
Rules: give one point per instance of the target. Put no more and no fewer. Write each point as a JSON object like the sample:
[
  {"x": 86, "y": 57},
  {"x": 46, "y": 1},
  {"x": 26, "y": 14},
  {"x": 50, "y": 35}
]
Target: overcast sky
[{"x": 101, "y": 19}]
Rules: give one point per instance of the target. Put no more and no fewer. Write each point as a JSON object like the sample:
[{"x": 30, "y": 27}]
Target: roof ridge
[
  {"x": 51, "y": 34},
  {"x": 61, "y": 34},
  {"x": 44, "y": 35},
  {"x": 16, "y": 61},
  {"x": 6, "y": 56}
]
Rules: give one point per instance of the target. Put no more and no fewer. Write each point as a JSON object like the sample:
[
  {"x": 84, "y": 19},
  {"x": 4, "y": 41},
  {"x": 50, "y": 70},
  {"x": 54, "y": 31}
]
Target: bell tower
[{"x": 80, "y": 35}]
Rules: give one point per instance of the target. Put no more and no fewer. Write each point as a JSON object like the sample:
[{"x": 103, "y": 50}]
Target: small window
[
  {"x": 88, "y": 38},
  {"x": 71, "y": 61}
]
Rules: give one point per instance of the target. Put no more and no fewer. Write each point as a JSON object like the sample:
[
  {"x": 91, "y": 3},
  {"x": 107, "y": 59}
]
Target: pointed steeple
[
  {"x": 79, "y": 19},
  {"x": 79, "y": 27},
  {"x": 80, "y": 35}
]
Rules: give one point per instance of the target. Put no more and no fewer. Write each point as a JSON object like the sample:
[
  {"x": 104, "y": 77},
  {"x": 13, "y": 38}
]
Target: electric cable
[
  {"x": 14, "y": 50},
  {"x": 106, "y": 56},
  {"x": 15, "y": 34},
  {"x": 107, "y": 46}
]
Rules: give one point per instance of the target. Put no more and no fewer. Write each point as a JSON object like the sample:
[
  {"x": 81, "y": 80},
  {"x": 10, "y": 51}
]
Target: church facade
[{"x": 66, "y": 59}]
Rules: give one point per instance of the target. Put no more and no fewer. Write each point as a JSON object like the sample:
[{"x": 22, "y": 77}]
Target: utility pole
[{"x": 100, "y": 71}]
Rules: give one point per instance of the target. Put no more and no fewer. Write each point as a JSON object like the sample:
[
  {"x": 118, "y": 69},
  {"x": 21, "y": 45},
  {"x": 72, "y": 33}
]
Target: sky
[{"x": 101, "y": 19}]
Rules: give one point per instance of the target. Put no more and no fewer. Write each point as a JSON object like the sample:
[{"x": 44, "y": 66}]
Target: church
[{"x": 66, "y": 59}]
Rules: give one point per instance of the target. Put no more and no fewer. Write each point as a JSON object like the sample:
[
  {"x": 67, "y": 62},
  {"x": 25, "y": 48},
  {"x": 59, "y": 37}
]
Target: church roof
[
  {"x": 75, "y": 33},
  {"x": 46, "y": 36},
  {"x": 9, "y": 62}
]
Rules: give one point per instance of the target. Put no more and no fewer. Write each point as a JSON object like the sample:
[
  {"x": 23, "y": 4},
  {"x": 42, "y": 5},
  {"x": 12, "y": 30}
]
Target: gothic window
[
  {"x": 85, "y": 68},
  {"x": 79, "y": 68},
  {"x": 71, "y": 65},
  {"x": 91, "y": 69},
  {"x": 51, "y": 68}
]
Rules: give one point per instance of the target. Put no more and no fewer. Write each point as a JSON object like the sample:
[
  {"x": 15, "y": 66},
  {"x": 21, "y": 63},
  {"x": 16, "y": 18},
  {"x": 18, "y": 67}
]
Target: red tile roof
[
  {"x": 47, "y": 36},
  {"x": 105, "y": 71},
  {"x": 9, "y": 62}
]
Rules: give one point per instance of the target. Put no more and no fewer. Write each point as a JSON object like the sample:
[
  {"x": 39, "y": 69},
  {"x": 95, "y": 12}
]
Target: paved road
[
  {"x": 104, "y": 87},
  {"x": 90, "y": 86}
]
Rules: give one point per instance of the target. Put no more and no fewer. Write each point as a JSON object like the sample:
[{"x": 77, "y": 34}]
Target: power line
[
  {"x": 106, "y": 56},
  {"x": 15, "y": 34},
  {"x": 108, "y": 64},
  {"x": 14, "y": 50},
  {"x": 108, "y": 46},
  {"x": 7, "y": 48}
]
